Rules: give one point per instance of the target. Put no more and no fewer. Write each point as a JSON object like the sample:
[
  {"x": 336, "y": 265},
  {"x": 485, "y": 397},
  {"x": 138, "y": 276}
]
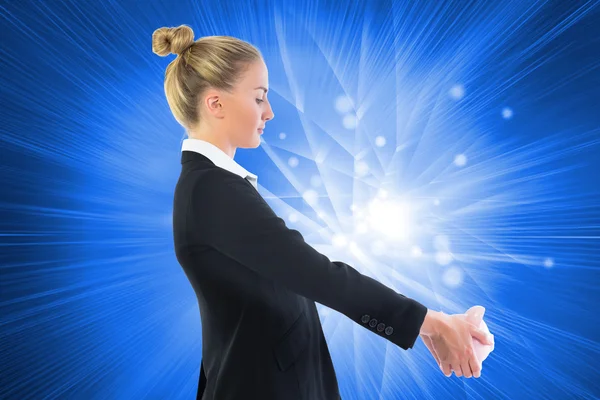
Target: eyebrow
[{"x": 263, "y": 88}]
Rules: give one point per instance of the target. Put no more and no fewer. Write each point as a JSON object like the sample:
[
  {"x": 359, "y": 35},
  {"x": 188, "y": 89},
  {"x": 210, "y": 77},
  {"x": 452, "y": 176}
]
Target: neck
[{"x": 217, "y": 140}]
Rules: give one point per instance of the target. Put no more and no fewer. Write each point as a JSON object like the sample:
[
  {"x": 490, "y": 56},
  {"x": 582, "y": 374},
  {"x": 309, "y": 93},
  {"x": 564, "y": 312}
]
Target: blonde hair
[{"x": 209, "y": 62}]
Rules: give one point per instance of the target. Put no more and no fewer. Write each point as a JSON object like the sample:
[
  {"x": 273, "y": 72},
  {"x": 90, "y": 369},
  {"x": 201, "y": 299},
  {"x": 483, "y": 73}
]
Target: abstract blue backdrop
[{"x": 474, "y": 125}]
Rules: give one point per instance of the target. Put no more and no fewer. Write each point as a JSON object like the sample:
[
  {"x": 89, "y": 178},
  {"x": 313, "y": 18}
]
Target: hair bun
[{"x": 172, "y": 40}]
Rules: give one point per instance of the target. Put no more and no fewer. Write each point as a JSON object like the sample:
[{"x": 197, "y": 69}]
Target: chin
[
  {"x": 256, "y": 141},
  {"x": 251, "y": 145}
]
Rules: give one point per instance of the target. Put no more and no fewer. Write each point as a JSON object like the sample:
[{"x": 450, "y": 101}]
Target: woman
[{"x": 255, "y": 279}]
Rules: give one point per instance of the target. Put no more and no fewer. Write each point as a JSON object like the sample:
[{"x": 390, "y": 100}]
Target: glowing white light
[
  {"x": 378, "y": 248},
  {"x": 315, "y": 181},
  {"x": 293, "y": 162},
  {"x": 457, "y": 92},
  {"x": 293, "y": 217},
  {"x": 380, "y": 141},
  {"x": 356, "y": 251},
  {"x": 391, "y": 219},
  {"x": 382, "y": 194},
  {"x": 548, "y": 263},
  {"x": 311, "y": 197},
  {"x": 361, "y": 228},
  {"x": 441, "y": 242},
  {"x": 282, "y": 136},
  {"x": 361, "y": 168},
  {"x": 320, "y": 215},
  {"x": 349, "y": 121},
  {"x": 343, "y": 104},
  {"x": 339, "y": 240},
  {"x": 436, "y": 202},
  {"x": 507, "y": 113},
  {"x": 460, "y": 160},
  {"x": 452, "y": 277},
  {"x": 443, "y": 257},
  {"x": 353, "y": 207},
  {"x": 416, "y": 251}
]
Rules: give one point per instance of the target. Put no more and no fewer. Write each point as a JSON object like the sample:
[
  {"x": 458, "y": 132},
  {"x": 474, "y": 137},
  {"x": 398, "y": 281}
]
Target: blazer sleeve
[{"x": 228, "y": 214}]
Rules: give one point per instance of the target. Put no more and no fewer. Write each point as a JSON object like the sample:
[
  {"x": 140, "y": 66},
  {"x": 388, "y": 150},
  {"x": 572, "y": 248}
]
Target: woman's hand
[{"x": 449, "y": 338}]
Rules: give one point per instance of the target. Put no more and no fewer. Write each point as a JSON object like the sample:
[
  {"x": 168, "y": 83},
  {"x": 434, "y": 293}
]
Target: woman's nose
[{"x": 269, "y": 116}]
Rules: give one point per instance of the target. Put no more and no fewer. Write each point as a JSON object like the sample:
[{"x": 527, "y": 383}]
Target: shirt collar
[{"x": 218, "y": 157}]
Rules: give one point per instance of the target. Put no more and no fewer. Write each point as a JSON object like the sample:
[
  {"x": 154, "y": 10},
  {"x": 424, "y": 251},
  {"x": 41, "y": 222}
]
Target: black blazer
[{"x": 257, "y": 281}]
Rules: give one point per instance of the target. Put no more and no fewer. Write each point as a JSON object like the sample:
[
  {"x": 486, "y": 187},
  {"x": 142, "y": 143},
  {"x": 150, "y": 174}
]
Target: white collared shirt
[{"x": 219, "y": 158}]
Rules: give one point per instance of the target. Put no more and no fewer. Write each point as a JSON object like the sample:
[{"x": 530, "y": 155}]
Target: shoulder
[
  {"x": 218, "y": 185},
  {"x": 217, "y": 177},
  {"x": 224, "y": 201}
]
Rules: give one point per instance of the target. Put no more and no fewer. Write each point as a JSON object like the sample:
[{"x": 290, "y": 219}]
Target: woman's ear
[{"x": 213, "y": 105}]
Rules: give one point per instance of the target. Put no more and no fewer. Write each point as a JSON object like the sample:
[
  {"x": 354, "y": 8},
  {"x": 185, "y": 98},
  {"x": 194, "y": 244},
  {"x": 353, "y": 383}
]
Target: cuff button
[{"x": 389, "y": 330}]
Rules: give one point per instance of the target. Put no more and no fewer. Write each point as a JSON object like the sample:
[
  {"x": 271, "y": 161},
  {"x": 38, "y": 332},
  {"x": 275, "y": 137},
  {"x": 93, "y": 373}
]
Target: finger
[
  {"x": 466, "y": 364},
  {"x": 434, "y": 353},
  {"x": 482, "y": 336},
  {"x": 446, "y": 369},
  {"x": 458, "y": 370},
  {"x": 427, "y": 341},
  {"x": 466, "y": 369},
  {"x": 478, "y": 312},
  {"x": 475, "y": 367}
]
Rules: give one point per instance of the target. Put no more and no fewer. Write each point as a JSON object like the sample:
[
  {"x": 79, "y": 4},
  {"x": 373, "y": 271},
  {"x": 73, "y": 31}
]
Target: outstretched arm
[{"x": 231, "y": 216}]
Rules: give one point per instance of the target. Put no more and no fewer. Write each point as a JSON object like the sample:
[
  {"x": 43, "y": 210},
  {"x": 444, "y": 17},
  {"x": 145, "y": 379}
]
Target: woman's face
[{"x": 247, "y": 109}]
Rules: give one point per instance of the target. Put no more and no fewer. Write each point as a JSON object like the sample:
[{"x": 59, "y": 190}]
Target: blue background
[{"x": 482, "y": 116}]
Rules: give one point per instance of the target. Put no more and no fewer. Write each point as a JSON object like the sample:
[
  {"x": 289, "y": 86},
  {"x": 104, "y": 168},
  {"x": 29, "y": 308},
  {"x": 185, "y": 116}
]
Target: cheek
[
  {"x": 247, "y": 120},
  {"x": 247, "y": 116},
  {"x": 248, "y": 110},
  {"x": 252, "y": 115}
]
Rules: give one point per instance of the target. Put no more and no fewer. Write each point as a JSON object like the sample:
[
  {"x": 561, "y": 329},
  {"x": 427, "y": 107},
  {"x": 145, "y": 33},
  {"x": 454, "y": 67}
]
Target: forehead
[{"x": 256, "y": 75}]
